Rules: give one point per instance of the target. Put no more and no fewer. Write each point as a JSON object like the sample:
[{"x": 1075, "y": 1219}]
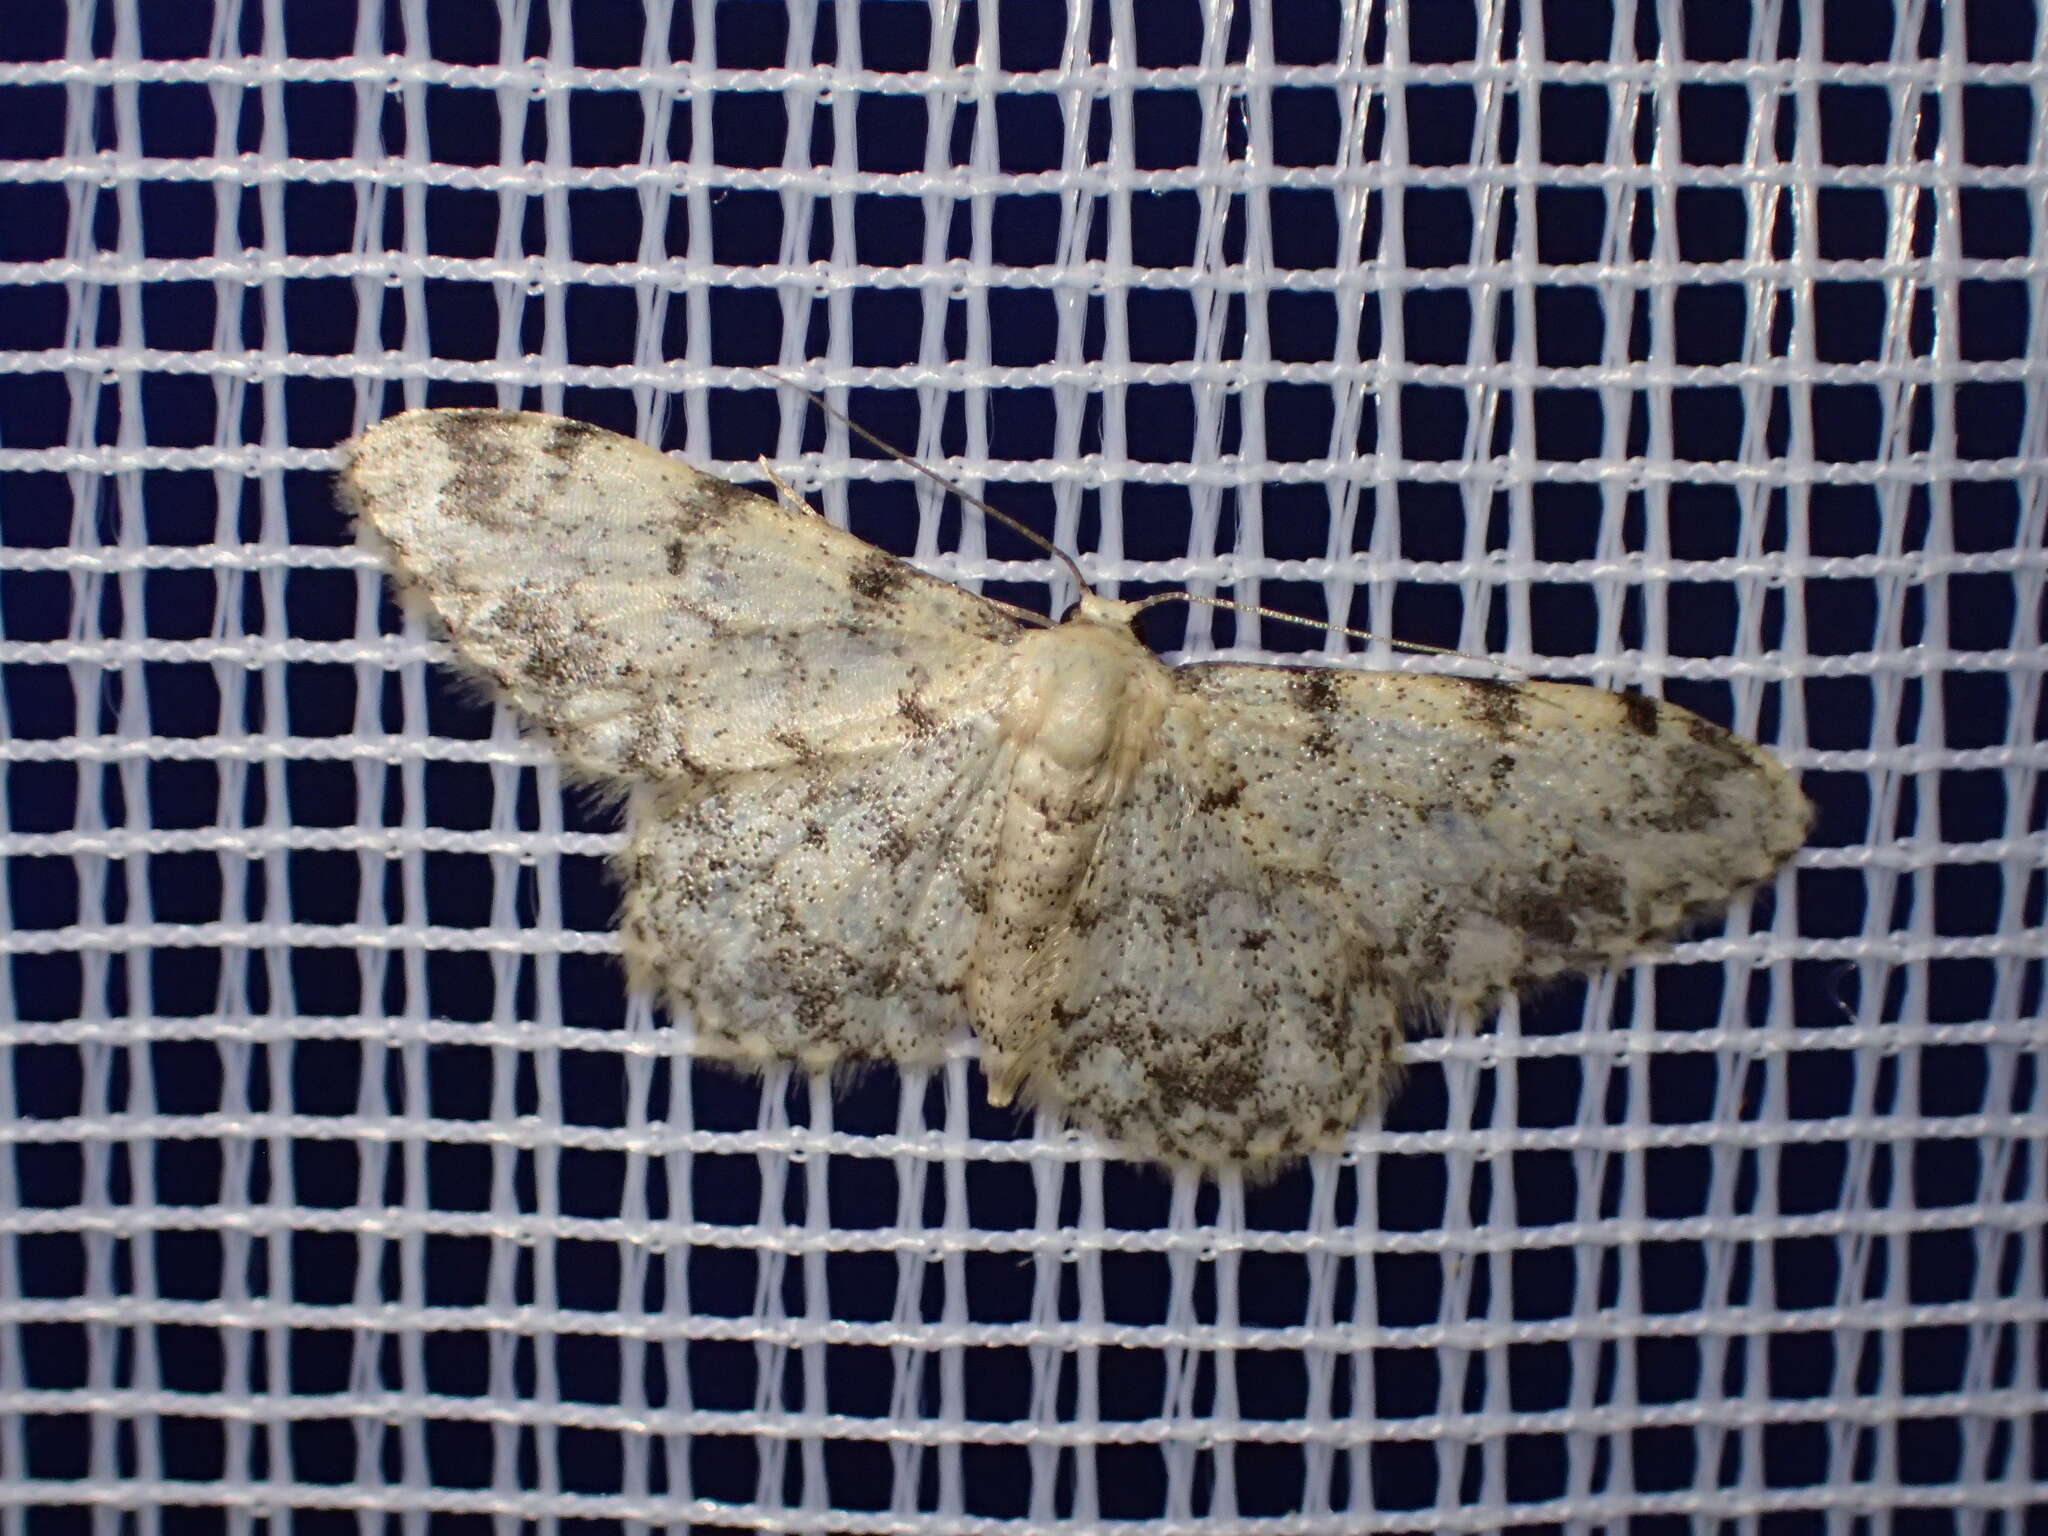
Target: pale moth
[{"x": 1186, "y": 906}]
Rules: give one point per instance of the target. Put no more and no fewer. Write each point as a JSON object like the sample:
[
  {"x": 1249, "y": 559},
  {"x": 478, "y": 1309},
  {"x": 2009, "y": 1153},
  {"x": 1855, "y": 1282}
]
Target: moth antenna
[
  {"x": 1013, "y": 524},
  {"x": 783, "y": 488},
  {"x": 797, "y": 502},
  {"x": 1294, "y": 618},
  {"x": 1018, "y": 611}
]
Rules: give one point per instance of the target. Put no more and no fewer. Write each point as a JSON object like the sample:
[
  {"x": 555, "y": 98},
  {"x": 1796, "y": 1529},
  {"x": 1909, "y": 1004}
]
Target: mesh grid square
[{"x": 1690, "y": 348}]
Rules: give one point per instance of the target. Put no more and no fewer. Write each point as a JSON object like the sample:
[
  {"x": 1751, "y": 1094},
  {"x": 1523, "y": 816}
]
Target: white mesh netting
[{"x": 1695, "y": 348}]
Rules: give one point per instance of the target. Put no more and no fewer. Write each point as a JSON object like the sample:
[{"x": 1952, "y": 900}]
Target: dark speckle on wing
[
  {"x": 1315, "y": 690},
  {"x": 1640, "y": 713},
  {"x": 561, "y": 651},
  {"x": 1692, "y": 805},
  {"x": 1316, "y": 695},
  {"x": 1540, "y": 914},
  {"x": 996, "y": 626},
  {"x": 1726, "y": 747},
  {"x": 1700, "y": 760},
  {"x": 1593, "y": 884},
  {"x": 706, "y": 502},
  {"x": 1497, "y": 705},
  {"x": 922, "y": 722},
  {"x": 1223, "y": 1082},
  {"x": 474, "y": 434},
  {"x": 1571, "y": 910},
  {"x": 486, "y": 461},
  {"x": 797, "y": 745},
  {"x": 566, "y": 439},
  {"x": 877, "y": 577},
  {"x": 895, "y": 843}
]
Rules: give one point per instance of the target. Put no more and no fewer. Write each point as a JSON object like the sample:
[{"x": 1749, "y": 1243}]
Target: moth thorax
[{"x": 1088, "y": 697}]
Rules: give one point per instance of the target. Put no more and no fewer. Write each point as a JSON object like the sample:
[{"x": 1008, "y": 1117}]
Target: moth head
[{"x": 1105, "y": 611}]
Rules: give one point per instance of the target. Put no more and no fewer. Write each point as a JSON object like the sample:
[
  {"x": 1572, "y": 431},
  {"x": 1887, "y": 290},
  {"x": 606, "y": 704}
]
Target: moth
[{"x": 1185, "y": 906}]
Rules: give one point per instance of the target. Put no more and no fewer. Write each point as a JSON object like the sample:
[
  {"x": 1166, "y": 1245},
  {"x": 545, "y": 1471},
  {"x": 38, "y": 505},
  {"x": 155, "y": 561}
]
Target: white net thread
[{"x": 1688, "y": 348}]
